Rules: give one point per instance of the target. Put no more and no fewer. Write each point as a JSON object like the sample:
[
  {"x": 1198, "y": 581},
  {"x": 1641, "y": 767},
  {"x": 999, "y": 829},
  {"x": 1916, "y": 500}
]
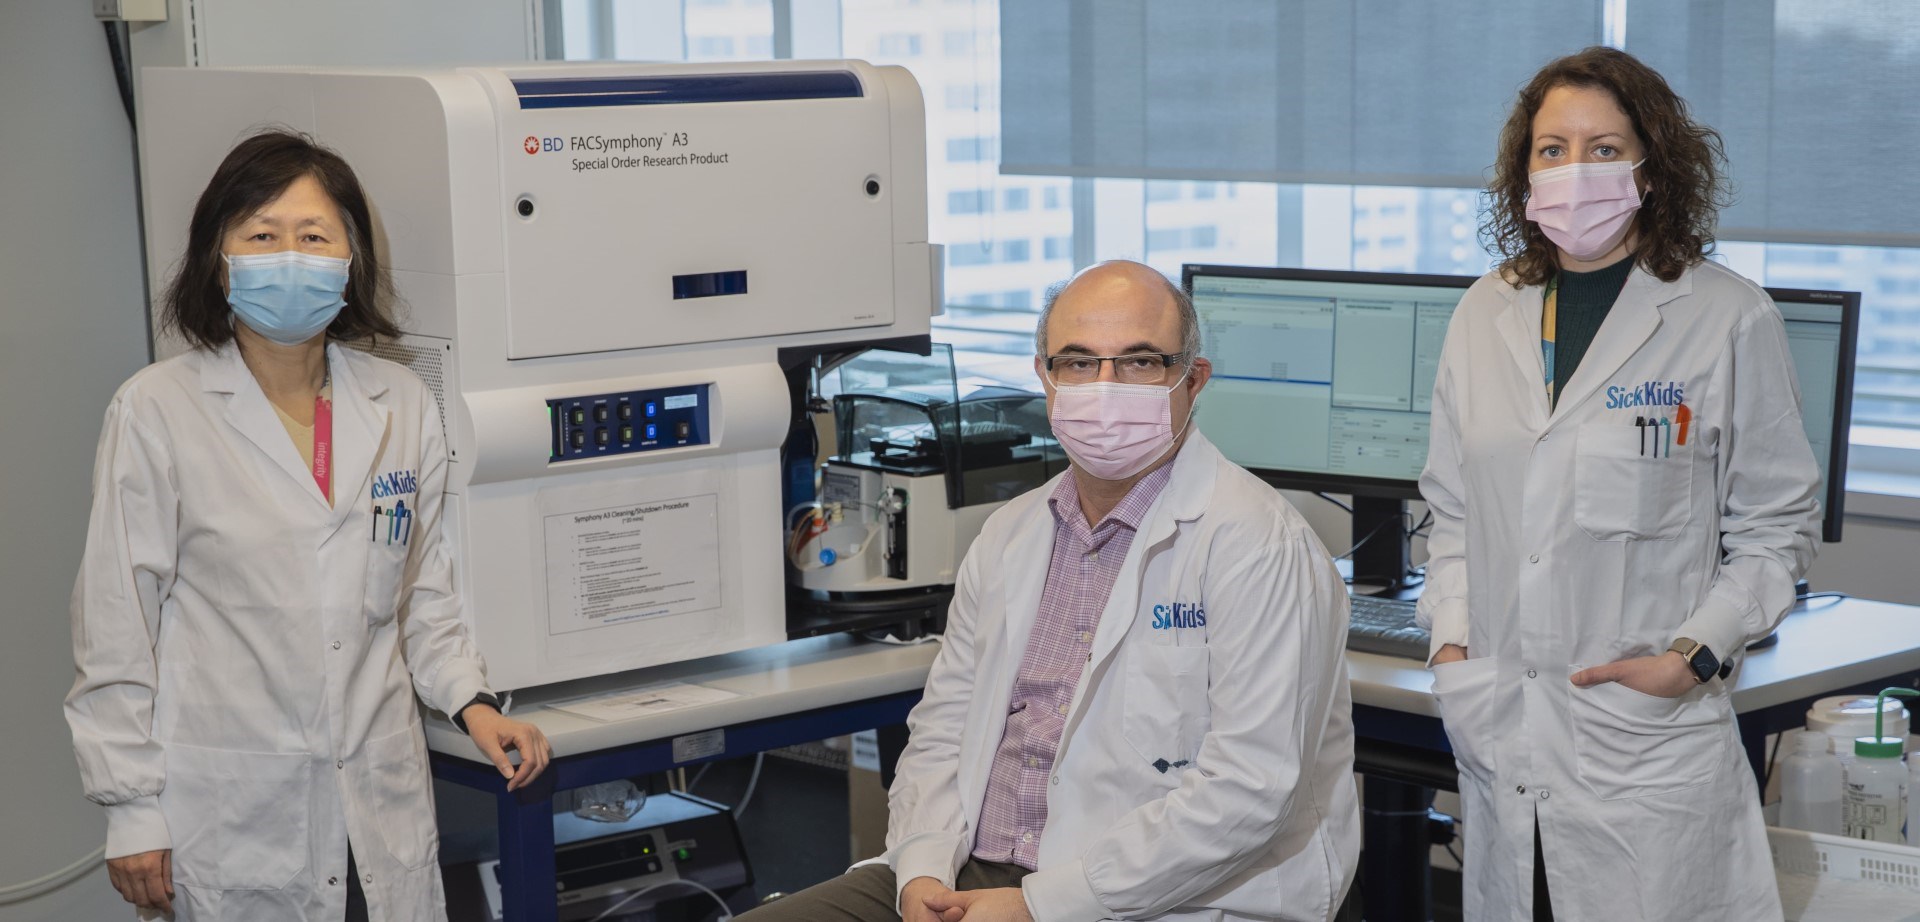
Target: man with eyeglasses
[{"x": 1140, "y": 709}]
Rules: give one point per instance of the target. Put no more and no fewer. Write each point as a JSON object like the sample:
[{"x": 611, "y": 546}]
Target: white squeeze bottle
[
  {"x": 1876, "y": 791},
  {"x": 1913, "y": 801},
  {"x": 1810, "y": 786}
]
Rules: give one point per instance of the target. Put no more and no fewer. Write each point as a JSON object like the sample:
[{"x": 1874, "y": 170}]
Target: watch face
[{"x": 1705, "y": 664}]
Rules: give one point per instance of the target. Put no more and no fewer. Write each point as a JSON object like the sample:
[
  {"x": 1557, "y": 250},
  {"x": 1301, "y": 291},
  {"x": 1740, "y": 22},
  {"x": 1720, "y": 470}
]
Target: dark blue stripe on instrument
[{"x": 588, "y": 92}]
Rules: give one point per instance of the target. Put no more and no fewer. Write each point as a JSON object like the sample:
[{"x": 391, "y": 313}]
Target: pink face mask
[
  {"x": 1114, "y": 430},
  {"x": 1584, "y": 208}
]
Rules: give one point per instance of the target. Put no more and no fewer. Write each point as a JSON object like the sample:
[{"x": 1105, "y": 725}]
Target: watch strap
[{"x": 1690, "y": 650}]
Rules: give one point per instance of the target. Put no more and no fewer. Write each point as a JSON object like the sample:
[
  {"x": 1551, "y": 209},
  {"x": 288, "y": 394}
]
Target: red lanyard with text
[{"x": 323, "y": 439}]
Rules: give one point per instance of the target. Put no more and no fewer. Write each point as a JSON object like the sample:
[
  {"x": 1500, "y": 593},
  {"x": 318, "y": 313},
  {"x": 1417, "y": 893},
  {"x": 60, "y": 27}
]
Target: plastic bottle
[
  {"x": 1876, "y": 792},
  {"x": 1913, "y": 801},
  {"x": 1810, "y": 786},
  {"x": 1849, "y": 717}
]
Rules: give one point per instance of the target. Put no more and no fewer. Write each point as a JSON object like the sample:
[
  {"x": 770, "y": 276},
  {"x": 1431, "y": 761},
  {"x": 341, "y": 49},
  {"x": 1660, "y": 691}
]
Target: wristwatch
[{"x": 1700, "y": 659}]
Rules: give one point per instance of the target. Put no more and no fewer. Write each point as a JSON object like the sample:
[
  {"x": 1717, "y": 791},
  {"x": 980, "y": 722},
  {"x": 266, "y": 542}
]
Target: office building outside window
[{"x": 1009, "y": 237}]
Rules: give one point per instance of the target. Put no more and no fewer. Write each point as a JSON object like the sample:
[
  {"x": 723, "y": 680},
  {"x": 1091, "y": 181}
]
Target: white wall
[
  {"x": 72, "y": 326},
  {"x": 1875, "y": 559}
]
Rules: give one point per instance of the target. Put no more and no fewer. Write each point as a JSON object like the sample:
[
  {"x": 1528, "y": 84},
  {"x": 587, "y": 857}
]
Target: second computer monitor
[{"x": 1323, "y": 380}]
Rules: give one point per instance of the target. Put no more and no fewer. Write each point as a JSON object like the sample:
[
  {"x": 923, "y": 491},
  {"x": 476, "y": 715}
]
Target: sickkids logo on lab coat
[
  {"x": 1179, "y": 615},
  {"x": 1650, "y": 394},
  {"x": 394, "y": 483}
]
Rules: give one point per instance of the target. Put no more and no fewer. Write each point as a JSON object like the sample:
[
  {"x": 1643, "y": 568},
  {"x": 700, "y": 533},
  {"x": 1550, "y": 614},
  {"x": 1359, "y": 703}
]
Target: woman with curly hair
[{"x": 1623, "y": 497}]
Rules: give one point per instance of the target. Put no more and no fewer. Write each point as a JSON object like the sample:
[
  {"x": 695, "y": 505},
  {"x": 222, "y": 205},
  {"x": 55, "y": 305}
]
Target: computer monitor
[
  {"x": 1823, "y": 330},
  {"x": 1323, "y": 381}
]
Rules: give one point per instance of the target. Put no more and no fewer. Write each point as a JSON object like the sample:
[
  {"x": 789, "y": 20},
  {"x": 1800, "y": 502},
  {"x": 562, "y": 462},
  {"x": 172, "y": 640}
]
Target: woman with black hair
[
  {"x": 265, "y": 584},
  {"x": 1623, "y": 497}
]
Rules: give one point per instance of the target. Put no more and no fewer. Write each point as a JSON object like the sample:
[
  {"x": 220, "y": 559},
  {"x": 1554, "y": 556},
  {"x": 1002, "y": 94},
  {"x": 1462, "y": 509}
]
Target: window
[
  {"x": 1161, "y": 191},
  {"x": 900, "y": 45},
  {"x": 1172, "y": 238},
  {"x": 967, "y": 201},
  {"x": 1886, "y": 382},
  {"x": 979, "y": 254},
  {"x": 969, "y": 150},
  {"x": 955, "y": 51}
]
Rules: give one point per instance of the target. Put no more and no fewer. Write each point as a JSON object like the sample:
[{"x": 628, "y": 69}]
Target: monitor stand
[{"x": 1381, "y": 557}]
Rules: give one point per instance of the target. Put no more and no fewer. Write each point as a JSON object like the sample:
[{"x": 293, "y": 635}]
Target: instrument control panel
[{"x": 634, "y": 421}]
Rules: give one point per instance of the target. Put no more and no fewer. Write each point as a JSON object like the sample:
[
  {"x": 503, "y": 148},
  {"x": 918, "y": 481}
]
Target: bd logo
[{"x": 535, "y": 145}]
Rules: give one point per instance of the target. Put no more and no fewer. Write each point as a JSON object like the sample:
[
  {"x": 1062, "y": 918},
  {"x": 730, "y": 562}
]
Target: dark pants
[
  {"x": 1542, "y": 905},
  {"x": 865, "y": 894},
  {"x": 356, "y": 897}
]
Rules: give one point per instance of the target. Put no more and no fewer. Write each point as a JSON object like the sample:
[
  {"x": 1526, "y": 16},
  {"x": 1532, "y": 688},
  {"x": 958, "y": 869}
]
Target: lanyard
[
  {"x": 1549, "y": 324},
  {"x": 323, "y": 439}
]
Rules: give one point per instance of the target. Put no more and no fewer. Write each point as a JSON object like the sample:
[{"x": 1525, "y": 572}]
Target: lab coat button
[
  {"x": 340, "y": 763},
  {"x": 1532, "y": 674},
  {"x": 336, "y": 645},
  {"x": 368, "y": 878},
  {"x": 332, "y": 881},
  {"x": 1056, "y": 779},
  {"x": 1545, "y": 794},
  {"x": 1522, "y": 789},
  {"x": 1533, "y": 558}
]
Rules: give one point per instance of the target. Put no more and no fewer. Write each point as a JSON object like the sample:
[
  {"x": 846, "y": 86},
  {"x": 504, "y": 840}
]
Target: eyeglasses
[{"x": 1138, "y": 368}]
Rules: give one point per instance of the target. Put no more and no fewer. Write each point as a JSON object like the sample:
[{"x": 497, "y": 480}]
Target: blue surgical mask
[{"x": 289, "y": 297}]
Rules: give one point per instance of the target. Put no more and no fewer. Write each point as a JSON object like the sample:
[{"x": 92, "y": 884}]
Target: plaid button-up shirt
[{"x": 1085, "y": 564}]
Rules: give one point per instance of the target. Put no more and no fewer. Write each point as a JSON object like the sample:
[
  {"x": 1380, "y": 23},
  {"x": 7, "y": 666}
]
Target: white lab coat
[
  {"x": 244, "y": 651},
  {"x": 1264, "y": 823},
  {"x": 1558, "y": 545}
]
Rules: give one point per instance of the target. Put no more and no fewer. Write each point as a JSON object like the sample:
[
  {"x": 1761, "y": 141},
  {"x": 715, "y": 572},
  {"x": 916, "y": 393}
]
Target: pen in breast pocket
[
  {"x": 1641, "y": 423},
  {"x": 1685, "y": 417},
  {"x": 1666, "y": 437},
  {"x": 376, "y": 523}
]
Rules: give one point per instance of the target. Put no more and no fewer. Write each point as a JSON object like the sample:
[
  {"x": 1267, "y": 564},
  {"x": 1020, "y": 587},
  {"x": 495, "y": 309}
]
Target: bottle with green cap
[{"x": 1875, "y": 802}]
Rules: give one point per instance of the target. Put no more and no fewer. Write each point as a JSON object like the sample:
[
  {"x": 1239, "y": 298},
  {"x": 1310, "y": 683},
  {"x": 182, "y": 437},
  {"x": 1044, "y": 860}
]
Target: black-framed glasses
[{"x": 1137, "y": 368}]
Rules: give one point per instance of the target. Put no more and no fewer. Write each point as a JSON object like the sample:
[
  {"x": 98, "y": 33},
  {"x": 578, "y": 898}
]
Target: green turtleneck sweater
[{"x": 1582, "y": 302}]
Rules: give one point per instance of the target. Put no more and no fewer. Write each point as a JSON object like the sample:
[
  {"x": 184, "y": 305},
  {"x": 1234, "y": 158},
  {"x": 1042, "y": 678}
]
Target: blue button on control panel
[{"x": 590, "y": 427}]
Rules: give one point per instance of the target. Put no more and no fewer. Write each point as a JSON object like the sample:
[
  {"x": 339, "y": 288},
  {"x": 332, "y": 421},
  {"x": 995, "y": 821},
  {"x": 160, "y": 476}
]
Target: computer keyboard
[{"x": 1385, "y": 626}]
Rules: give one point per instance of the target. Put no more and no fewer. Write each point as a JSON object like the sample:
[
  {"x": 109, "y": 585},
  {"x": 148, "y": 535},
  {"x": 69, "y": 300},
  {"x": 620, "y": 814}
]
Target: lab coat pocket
[
  {"x": 238, "y": 820},
  {"x": 1631, "y": 484},
  {"x": 1629, "y": 744},
  {"x": 1165, "y": 703},
  {"x": 403, "y": 796},
  {"x": 386, "y": 566},
  {"x": 1464, "y": 690}
]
